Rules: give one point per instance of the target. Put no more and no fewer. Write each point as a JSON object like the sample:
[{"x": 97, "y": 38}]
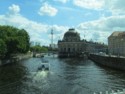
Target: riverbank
[
  {"x": 15, "y": 58},
  {"x": 23, "y": 56},
  {"x": 109, "y": 61}
]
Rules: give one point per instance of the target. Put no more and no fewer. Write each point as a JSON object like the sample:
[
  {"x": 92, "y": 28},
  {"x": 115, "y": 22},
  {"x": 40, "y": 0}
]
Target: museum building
[{"x": 71, "y": 45}]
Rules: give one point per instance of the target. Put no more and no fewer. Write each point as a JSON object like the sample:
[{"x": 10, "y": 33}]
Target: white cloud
[
  {"x": 95, "y": 35},
  {"x": 14, "y": 9},
  {"x": 59, "y": 29},
  {"x": 62, "y": 1},
  {"x": 116, "y": 6},
  {"x": 38, "y": 32},
  {"x": 105, "y": 24},
  {"x": 35, "y": 30},
  {"x": 89, "y": 4},
  {"x": 58, "y": 32},
  {"x": 99, "y": 30},
  {"x": 47, "y": 9}
]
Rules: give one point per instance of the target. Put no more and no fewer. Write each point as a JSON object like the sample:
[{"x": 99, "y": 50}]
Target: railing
[{"x": 112, "y": 92}]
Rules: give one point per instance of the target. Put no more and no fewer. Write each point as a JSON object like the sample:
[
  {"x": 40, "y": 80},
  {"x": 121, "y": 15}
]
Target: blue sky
[{"x": 94, "y": 19}]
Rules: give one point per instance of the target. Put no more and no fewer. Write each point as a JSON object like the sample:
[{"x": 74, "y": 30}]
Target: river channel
[{"x": 66, "y": 76}]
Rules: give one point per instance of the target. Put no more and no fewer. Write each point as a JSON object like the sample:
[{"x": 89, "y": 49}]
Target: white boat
[{"x": 43, "y": 67}]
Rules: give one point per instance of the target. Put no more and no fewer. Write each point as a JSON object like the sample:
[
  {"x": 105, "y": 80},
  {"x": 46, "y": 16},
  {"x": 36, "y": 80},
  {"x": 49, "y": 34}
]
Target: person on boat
[{"x": 43, "y": 66}]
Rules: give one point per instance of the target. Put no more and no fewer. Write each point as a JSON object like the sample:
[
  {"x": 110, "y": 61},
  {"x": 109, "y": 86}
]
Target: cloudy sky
[{"x": 93, "y": 19}]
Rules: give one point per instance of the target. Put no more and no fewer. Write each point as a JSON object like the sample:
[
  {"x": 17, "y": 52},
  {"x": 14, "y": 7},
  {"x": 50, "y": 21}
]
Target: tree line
[
  {"x": 38, "y": 49},
  {"x": 13, "y": 40}
]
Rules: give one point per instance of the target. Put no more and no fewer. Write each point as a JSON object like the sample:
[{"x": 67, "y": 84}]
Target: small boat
[{"x": 44, "y": 67}]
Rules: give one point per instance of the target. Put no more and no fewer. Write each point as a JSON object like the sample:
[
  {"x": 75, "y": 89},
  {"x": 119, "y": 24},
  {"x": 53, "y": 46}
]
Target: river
[{"x": 66, "y": 76}]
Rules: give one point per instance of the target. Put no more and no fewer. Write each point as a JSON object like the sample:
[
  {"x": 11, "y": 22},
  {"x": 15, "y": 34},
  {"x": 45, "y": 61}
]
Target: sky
[{"x": 93, "y": 19}]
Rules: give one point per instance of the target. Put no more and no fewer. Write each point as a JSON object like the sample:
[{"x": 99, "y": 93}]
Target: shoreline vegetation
[
  {"x": 15, "y": 45},
  {"x": 13, "y": 41}
]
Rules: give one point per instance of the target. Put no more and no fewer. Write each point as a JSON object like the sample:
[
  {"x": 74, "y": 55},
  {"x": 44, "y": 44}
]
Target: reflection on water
[
  {"x": 11, "y": 77},
  {"x": 66, "y": 76}
]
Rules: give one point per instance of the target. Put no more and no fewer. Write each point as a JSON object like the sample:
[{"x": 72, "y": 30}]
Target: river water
[{"x": 66, "y": 76}]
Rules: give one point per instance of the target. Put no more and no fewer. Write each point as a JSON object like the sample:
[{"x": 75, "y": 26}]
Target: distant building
[
  {"x": 53, "y": 46},
  {"x": 95, "y": 47},
  {"x": 116, "y": 43},
  {"x": 71, "y": 44}
]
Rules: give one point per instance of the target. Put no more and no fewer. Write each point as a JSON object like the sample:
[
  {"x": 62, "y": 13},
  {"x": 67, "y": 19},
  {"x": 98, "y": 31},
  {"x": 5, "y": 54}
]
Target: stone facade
[
  {"x": 71, "y": 44},
  {"x": 95, "y": 47},
  {"x": 116, "y": 43}
]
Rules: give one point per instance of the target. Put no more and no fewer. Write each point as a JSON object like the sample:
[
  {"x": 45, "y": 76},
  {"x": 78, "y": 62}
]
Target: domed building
[
  {"x": 71, "y": 44},
  {"x": 71, "y": 35}
]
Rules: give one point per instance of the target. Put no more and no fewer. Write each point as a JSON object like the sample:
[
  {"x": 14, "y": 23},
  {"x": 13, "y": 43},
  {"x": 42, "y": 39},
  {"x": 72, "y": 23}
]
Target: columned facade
[{"x": 71, "y": 45}]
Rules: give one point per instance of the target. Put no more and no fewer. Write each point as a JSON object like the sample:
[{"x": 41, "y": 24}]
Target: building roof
[
  {"x": 118, "y": 34},
  {"x": 72, "y": 33}
]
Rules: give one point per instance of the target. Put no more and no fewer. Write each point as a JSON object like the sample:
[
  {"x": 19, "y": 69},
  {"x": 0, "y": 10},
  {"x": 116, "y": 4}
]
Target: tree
[
  {"x": 3, "y": 48},
  {"x": 23, "y": 35},
  {"x": 38, "y": 49},
  {"x": 16, "y": 40}
]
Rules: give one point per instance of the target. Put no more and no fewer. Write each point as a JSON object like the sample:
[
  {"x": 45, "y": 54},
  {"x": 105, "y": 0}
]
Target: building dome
[{"x": 71, "y": 35}]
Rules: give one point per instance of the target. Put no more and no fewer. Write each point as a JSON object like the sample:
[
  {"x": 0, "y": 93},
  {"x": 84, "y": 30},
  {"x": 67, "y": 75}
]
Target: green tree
[
  {"x": 3, "y": 48},
  {"x": 12, "y": 43},
  {"x": 38, "y": 49},
  {"x": 25, "y": 40},
  {"x": 16, "y": 40}
]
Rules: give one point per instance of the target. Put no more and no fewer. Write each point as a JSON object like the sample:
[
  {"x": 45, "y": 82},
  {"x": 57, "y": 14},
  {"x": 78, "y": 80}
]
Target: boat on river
[{"x": 44, "y": 66}]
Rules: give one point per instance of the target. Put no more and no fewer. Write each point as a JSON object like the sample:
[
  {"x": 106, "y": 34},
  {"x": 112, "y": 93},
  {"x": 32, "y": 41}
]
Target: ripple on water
[{"x": 66, "y": 76}]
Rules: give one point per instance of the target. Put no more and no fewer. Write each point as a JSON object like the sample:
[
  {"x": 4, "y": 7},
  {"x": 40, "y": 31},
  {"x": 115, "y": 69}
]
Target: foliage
[
  {"x": 3, "y": 48},
  {"x": 38, "y": 49},
  {"x": 15, "y": 40}
]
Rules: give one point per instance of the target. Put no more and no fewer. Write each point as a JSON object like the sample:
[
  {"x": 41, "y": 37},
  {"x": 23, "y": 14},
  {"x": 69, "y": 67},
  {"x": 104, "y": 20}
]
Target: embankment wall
[{"x": 112, "y": 62}]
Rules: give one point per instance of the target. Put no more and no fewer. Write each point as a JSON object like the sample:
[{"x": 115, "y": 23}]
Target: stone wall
[
  {"x": 16, "y": 58},
  {"x": 112, "y": 62}
]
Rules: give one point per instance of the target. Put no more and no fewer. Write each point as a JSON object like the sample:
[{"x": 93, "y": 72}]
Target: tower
[{"x": 51, "y": 38}]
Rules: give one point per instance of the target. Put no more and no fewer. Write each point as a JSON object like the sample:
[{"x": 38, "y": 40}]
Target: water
[{"x": 66, "y": 76}]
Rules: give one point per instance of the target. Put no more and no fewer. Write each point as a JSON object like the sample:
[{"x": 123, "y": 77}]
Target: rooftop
[
  {"x": 118, "y": 34},
  {"x": 71, "y": 32}
]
